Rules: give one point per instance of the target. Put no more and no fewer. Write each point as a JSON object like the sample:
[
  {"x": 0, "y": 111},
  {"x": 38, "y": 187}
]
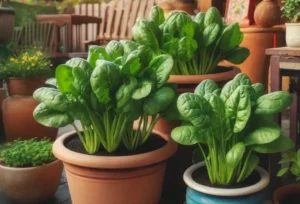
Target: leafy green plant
[
  {"x": 293, "y": 159},
  {"x": 291, "y": 10},
  {"x": 28, "y": 63},
  {"x": 197, "y": 45},
  {"x": 230, "y": 125},
  {"x": 26, "y": 153},
  {"x": 107, "y": 92}
]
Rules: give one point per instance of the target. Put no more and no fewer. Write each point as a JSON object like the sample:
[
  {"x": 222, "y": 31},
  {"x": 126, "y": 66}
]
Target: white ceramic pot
[
  {"x": 292, "y": 35},
  {"x": 198, "y": 193}
]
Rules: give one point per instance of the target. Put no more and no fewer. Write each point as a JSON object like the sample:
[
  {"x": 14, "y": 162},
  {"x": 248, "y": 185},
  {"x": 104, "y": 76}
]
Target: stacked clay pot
[{"x": 18, "y": 111}]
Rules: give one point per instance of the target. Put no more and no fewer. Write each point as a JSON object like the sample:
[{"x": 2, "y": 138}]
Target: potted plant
[
  {"x": 24, "y": 72},
  {"x": 229, "y": 126},
  {"x": 29, "y": 172},
  {"x": 290, "y": 10},
  {"x": 289, "y": 194},
  {"x": 110, "y": 160},
  {"x": 197, "y": 45},
  {"x": 7, "y": 26}
]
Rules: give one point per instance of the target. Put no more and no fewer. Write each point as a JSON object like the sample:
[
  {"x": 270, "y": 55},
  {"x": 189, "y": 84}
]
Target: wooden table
[{"x": 284, "y": 61}]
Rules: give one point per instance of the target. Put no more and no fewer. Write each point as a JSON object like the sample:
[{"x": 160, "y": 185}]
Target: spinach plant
[
  {"x": 197, "y": 45},
  {"x": 230, "y": 125},
  {"x": 107, "y": 92},
  {"x": 293, "y": 159},
  {"x": 291, "y": 11},
  {"x": 26, "y": 153}
]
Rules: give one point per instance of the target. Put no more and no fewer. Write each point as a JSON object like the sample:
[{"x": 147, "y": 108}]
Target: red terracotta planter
[
  {"x": 285, "y": 192},
  {"x": 24, "y": 86},
  {"x": 134, "y": 179},
  {"x": 19, "y": 122}
]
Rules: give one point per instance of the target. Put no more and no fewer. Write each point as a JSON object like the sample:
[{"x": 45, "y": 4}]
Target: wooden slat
[
  {"x": 132, "y": 17},
  {"x": 110, "y": 22},
  {"x": 150, "y": 4},
  {"x": 125, "y": 18},
  {"x": 118, "y": 20},
  {"x": 142, "y": 9},
  {"x": 103, "y": 16}
]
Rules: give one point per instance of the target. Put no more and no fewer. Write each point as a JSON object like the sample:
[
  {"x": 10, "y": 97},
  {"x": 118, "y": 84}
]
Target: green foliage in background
[
  {"x": 293, "y": 160},
  {"x": 25, "y": 13},
  {"x": 26, "y": 153}
]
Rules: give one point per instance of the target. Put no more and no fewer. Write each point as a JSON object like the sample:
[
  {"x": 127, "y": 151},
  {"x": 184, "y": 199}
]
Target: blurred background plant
[{"x": 28, "y": 63}]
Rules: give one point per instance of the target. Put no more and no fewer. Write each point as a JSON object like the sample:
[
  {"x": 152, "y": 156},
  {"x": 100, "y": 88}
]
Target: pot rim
[
  {"x": 292, "y": 24},
  {"x": 7, "y": 11},
  {"x": 114, "y": 162},
  {"x": 263, "y": 182},
  {"x": 30, "y": 168},
  {"x": 26, "y": 78},
  {"x": 195, "y": 79}
]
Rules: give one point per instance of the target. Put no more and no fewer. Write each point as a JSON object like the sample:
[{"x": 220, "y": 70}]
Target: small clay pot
[
  {"x": 19, "y": 122},
  {"x": 188, "y": 83},
  {"x": 24, "y": 86},
  {"x": 286, "y": 191},
  {"x": 169, "y": 6},
  {"x": 267, "y": 14},
  {"x": 134, "y": 179},
  {"x": 31, "y": 185}
]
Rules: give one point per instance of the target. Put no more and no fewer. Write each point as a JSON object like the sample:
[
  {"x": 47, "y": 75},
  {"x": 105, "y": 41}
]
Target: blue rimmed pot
[{"x": 199, "y": 193}]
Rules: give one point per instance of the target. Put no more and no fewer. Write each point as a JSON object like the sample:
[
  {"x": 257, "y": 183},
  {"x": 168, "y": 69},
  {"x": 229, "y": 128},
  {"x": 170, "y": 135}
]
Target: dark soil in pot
[
  {"x": 154, "y": 142},
  {"x": 292, "y": 198},
  {"x": 201, "y": 177}
]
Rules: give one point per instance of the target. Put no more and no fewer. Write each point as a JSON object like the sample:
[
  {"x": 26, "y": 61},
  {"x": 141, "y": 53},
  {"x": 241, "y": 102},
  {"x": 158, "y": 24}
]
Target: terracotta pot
[
  {"x": 24, "y": 86},
  {"x": 2, "y": 97},
  {"x": 267, "y": 14},
  {"x": 32, "y": 184},
  {"x": 285, "y": 191},
  {"x": 7, "y": 24},
  {"x": 19, "y": 122},
  {"x": 188, "y": 83},
  {"x": 134, "y": 179}
]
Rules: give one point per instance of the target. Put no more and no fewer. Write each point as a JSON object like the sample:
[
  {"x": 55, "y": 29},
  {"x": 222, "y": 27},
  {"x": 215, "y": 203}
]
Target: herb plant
[
  {"x": 197, "y": 45},
  {"x": 230, "y": 125},
  {"x": 291, "y": 10},
  {"x": 26, "y": 153},
  {"x": 107, "y": 92},
  {"x": 293, "y": 158},
  {"x": 27, "y": 64}
]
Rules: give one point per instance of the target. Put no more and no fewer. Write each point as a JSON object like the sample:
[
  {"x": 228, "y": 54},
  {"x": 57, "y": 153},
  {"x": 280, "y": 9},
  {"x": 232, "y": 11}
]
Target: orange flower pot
[
  {"x": 134, "y": 179},
  {"x": 24, "y": 86}
]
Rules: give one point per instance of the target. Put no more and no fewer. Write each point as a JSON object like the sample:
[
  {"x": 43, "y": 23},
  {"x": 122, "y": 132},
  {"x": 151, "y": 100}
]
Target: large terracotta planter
[
  {"x": 135, "y": 179},
  {"x": 7, "y": 24},
  {"x": 19, "y": 122},
  {"x": 288, "y": 191},
  {"x": 24, "y": 86},
  {"x": 188, "y": 83},
  {"x": 32, "y": 184}
]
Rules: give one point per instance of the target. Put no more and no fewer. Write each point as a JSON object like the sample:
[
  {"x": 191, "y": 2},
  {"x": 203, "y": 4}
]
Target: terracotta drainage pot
[
  {"x": 19, "y": 122},
  {"x": 24, "y": 86},
  {"x": 32, "y": 184},
  {"x": 250, "y": 193},
  {"x": 134, "y": 179},
  {"x": 288, "y": 194},
  {"x": 188, "y": 83}
]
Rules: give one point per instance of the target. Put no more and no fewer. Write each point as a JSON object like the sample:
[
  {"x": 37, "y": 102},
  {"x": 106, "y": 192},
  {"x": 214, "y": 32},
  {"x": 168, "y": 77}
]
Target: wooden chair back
[
  {"x": 38, "y": 35},
  {"x": 17, "y": 35},
  {"x": 118, "y": 17}
]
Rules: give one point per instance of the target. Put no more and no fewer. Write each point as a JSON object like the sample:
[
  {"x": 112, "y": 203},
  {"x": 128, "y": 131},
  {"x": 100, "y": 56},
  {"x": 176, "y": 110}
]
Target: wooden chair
[
  {"x": 118, "y": 17},
  {"x": 17, "y": 35},
  {"x": 71, "y": 31},
  {"x": 37, "y": 35}
]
